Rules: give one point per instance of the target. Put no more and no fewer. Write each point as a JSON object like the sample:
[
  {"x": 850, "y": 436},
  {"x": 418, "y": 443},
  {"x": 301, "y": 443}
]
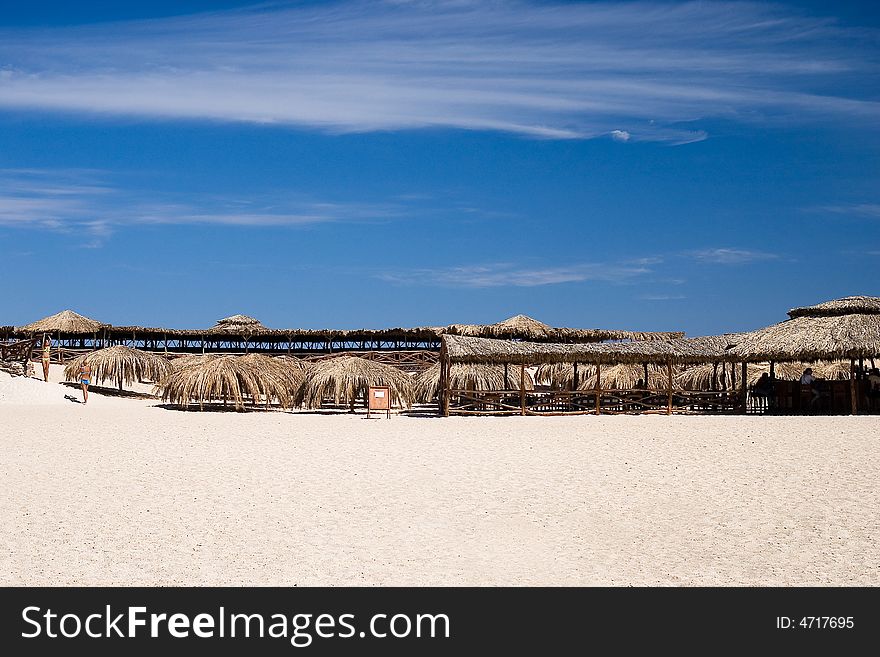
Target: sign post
[{"x": 380, "y": 400}]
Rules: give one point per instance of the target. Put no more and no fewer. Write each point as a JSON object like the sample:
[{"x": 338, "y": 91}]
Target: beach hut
[
  {"x": 236, "y": 379},
  {"x": 120, "y": 364},
  {"x": 467, "y": 376},
  {"x": 847, "y": 328},
  {"x": 347, "y": 379}
]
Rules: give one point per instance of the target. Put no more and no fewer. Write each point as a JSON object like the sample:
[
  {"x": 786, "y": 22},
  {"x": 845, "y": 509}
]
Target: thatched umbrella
[
  {"x": 347, "y": 378},
  {"x": 66, "y": 321},
  {"x": 521, "y": 327},
  {"x": 625, "y": 376},
  {"x": 287, "y": 370},
  {"x": 237, "y": 324},
  {"x": 120, "y": 364},
  {"x": 560, "y": 376},
  {"x": 203, "y": 379},
  {"x": 468, "y": 376},
  {"x": 701, "y": 376}
]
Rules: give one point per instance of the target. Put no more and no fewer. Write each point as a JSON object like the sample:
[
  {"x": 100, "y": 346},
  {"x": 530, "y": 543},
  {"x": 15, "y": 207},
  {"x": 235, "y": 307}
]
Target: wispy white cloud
[
  {"x": 661, "y": 297},
  {"x": 634, "y": 70},
  {"x": 870, "y": 210},
  {"x": 80, "y": 200},
  {"x": 511, "y": 275},
  {"x": 730, "y": 256}
]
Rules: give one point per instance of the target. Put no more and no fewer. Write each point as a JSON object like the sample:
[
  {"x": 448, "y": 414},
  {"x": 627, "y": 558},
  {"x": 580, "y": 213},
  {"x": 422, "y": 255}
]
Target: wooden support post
[
  {"x": 745, "y": 390},
  {"x": 574, "y": 379},
  {"x": 522, "y": 389},
  {"x": 772, "y": 371},
  {"x": 445, "y": 364},
  {"x": 853, "y": 387},
  {"x": 598, "y": 389},
  {"x": 506, "y": 377},
  {"x": 645, "y": 368},
  {"x": 669, "y": 387},
  {"x": 715, "y": 375}
]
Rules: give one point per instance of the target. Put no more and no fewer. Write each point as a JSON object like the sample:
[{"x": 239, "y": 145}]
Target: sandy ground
[{"x": 123, "y": 492}]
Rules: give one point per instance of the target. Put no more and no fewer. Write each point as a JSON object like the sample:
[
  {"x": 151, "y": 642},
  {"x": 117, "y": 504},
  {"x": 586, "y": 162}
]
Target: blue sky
[{"x": 655, "y": 166}]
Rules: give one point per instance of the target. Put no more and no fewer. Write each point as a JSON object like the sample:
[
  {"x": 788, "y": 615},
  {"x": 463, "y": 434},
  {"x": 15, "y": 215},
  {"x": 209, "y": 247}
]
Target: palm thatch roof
[
  {"x": 66, "y": 321},
  {"x": 461, "y": 349},
  {"x": 468, "y": 376},
  {"x": 120, "y": 364},
  {"x": 523, "y": 327},
  {"x": 212, "y": 378},
  {"x": 560, "y": 376},
  {"x": 843, "y": 306},
  {"x": 346, "y": 380},
  {"x": 843, "y": 328},
  {"x": 625, "y": 376},
  {"x": 520, "y": 326},
  {"x": 237, "y": 324},
  {"x": 700, "y": 376},
  {"x": 286, "y": 370}
]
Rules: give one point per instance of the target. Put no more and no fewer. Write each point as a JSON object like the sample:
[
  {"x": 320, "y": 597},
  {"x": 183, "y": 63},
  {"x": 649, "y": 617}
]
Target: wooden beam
[
  {"x": 597, "y": 389},
  {"x": 745, "y": 390},
  {"x": 669, "y": 387},
  {"x": 522, "y": 388},
  {"x": 853, "y": 387}
]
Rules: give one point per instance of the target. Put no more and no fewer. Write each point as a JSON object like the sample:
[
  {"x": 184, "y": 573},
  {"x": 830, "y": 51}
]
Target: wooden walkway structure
[{"x": 414, "y": 348}]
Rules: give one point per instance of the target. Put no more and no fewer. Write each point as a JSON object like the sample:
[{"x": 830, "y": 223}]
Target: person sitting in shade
[
  {"x": 874, "y": 386},
  {"x": 807, "y": 379},
  {"x": 763, "y": 390}
]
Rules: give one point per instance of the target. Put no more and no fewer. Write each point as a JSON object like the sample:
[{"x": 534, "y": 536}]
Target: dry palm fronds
[
  {"x": 842, "y": 328},
  {"x": 204, "y": 379},
  {"x": 238, "y": 324},
  {"x": 625, "y": 376},
  {"x": 844, "y": 306},
  {"x": 560, "y": 376},
  {"x": 285, "y": 370},
  {"x": 725, "y": 375},
  {"x": 461, "y": 349},
  {"x": 346, "y": 379},
  {"x": 469, "y": 377},
  {"x": 120, "y": 364},
  {"x": 66, "y": 321}
]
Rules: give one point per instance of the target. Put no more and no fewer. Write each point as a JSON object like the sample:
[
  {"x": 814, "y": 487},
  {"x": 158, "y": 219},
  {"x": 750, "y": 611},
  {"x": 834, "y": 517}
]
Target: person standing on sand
[
  {"x": 47, "y": 350},
  {"x": 85, "y": 376}
]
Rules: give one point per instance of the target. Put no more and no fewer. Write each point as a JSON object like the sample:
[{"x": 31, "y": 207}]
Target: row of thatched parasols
[
  {"x": 250, "y": 379},
  {"x": 290, "y": 382}
]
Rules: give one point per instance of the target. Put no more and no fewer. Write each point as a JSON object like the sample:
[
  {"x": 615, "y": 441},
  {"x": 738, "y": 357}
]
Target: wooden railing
[
  {"x": 19, "y": 351},
  {"x": 602, "y": 401}
]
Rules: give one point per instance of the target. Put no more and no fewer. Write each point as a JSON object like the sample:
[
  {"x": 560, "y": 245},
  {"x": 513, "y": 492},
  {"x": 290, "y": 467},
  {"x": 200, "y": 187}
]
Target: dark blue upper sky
[{"x": 655, "y": 166}]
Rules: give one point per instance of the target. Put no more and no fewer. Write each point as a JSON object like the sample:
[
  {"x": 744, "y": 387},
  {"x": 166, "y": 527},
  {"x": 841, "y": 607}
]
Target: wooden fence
[{"x": 596, "y": 402}]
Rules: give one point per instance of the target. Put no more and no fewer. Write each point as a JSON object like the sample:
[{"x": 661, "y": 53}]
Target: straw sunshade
[
  {"x": 237, "y": 324},
  {"x": 288, "y": 371},
  {"x": 842, "y": 328},
  {"x": 625, "y": 376},
  {"x": 699, "y": 377},
  {"x": 66, "y": 321},
  {"x": 346, "y": 380},
  {"x": 462, "y": 349},
  {"x": 120, "y": 364},
  {"x": 212, "y": 378},
  {"x": 560, "y": 376},
  {"x": 467, "y": 376}
]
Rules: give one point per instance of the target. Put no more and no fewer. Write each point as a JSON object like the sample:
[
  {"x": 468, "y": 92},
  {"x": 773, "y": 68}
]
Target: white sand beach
[{"x": 124, "y": 492}]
